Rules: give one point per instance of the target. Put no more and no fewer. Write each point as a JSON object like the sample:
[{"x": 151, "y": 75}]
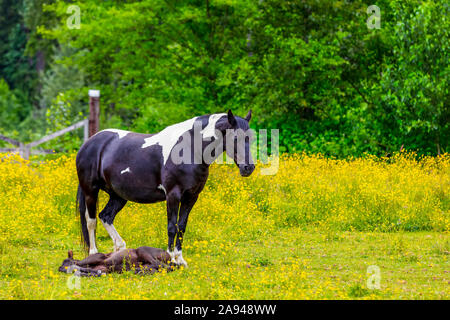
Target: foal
[{"x": 144, "y": 260}]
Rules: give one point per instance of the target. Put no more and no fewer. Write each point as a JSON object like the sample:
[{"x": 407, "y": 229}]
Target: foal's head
[
  {"x": 67, "y": 262},
  {"x": 237, "y": 140}
]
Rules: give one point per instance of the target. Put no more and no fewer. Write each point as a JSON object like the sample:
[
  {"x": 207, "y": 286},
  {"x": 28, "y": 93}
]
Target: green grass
[
  {"x": 309, "y": 232},
  {"x": 290, "y": 264}
]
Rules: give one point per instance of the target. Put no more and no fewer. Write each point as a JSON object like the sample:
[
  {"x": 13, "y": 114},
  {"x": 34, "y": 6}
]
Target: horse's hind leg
[
  {"x": 107, "y": 215},
  {"x": 91, "y": 219}
]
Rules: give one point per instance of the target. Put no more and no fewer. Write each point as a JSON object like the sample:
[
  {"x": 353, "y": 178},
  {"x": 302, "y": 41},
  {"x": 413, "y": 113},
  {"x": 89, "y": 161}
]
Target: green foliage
[
  {"x": 15, "y": 67},
  {"x": 60, "y": 115},
  {"x": 357, "y": 291},
  {"x": 312, "y": 69},
  {"x": 414, "y": 86},
  {"x": 61, "y": 78},
  {"x": 13, "y": 109}
]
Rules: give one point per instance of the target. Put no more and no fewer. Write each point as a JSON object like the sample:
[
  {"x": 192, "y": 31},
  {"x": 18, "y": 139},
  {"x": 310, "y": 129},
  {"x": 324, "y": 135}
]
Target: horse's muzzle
[{"x": 246, "y": 169}]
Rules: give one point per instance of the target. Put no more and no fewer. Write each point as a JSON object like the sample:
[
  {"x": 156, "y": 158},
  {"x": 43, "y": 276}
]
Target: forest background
[{"x": 316, "y": 70}]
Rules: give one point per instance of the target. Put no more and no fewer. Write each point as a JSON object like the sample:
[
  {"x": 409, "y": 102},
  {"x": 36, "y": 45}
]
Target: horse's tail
[{"x": 81, "y": 207}]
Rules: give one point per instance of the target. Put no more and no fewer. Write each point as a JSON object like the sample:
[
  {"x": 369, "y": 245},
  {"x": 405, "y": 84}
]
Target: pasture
[{"x": 309, "y": 232}]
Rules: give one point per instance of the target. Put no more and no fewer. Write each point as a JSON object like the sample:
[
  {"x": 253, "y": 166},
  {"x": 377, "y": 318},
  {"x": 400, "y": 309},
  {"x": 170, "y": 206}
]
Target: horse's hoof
[
  {"x": 176, "y": 258},
  {"x": 180, "y": 261}
]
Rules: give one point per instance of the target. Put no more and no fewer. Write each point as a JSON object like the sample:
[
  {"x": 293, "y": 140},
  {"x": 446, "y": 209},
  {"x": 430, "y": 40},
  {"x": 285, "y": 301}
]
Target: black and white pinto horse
[{"x": 138, "y": 167}]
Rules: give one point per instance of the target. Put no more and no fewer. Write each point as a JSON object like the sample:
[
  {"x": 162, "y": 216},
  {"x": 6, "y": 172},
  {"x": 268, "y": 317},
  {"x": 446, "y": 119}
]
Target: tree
[{"x": 414, "y": 86}]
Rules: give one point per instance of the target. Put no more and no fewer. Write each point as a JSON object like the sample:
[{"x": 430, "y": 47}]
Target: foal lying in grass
[{"x": 144, "y": 260}]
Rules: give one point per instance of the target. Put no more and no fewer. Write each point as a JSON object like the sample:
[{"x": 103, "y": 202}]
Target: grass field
[{"x": 309, "y": 232}]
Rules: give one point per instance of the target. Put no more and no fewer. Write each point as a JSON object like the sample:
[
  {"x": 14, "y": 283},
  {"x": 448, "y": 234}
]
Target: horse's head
[{"x": 237, "y": 140}]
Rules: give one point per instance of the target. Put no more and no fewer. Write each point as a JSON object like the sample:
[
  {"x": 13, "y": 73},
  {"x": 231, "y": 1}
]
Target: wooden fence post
[
  {"x": 94, "y": 111},
  {"x": 24, "y": 151}
]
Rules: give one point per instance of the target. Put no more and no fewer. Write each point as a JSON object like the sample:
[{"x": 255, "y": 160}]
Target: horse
[
  {"x": 143, "y": 260},
  {"x": 146, "y": 168}
]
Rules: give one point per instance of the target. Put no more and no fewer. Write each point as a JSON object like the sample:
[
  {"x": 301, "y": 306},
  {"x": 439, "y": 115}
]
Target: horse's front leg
[
  {"x": 187, "y": 202},
  {"x": 173, "y": 203}
]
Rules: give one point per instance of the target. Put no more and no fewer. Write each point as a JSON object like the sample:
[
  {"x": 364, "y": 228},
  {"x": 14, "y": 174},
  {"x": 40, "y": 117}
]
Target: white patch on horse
[
  {"x": 91, "y": 225},
  {"x": 119, "y": 244},
  {"x": 161, "y": 187},
  {"x": 121, "y": 133},
  {"x": 209, "y": 130},
  {"x": 125, "y": 171},
  {"x": 168, "y": 137}
]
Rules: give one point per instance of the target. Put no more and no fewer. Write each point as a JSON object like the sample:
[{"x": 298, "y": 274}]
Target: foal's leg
[
  {"x": 90, "y": 265},
  {"x": 148, "y": 255},
  {"x": 187, "y": 202},
  {"x": 85, "y": 272},
  {"x": 91, "y": 219},
  {"x": 173, "y": 204},
  {"x": 92, "y": 261},
  {"x": 114, "y": 205}
]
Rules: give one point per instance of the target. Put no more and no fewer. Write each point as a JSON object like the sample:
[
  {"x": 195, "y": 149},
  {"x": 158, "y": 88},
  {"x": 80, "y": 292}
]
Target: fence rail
[
  {"x": 91, "y": 125},
  {"x": 25, "y": 149},
  {"x": 9, "y": 140}
]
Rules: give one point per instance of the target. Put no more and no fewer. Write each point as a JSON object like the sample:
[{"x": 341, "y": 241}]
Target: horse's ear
[
  {"x": 248, "y": 116},
  {"x": 70, "y": 254},
  {"x": 231, "y": 118}
]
